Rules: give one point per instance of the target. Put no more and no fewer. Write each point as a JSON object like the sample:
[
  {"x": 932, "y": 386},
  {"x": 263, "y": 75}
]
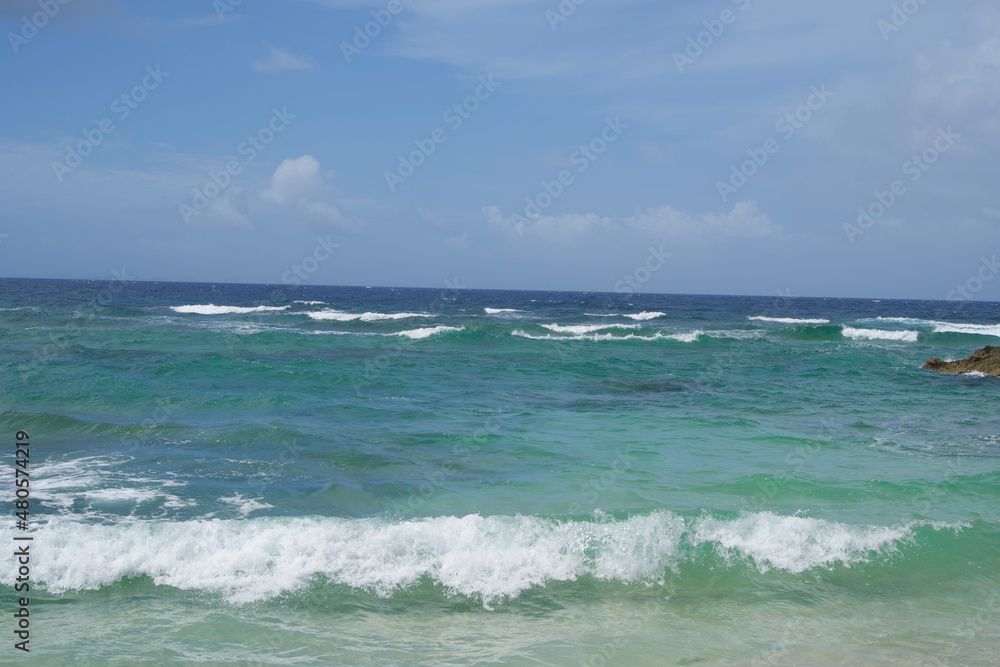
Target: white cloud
[
  {"x": 279, "y": 60},
  {"x": 651, "y": 153},
  {"x": 324, "y": 212},
  {"x": 746, "y": 220},
  {"x": 297, "y": 185},
  {"x": 293, "y": 180},
  {"x": 230, "y": 207}
]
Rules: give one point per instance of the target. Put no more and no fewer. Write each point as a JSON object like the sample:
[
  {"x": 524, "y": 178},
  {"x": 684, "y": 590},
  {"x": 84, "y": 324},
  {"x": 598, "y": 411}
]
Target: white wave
[
  {"x": 689, "y": 337},
  {"x": 96, "y": 487},
  {"x": 234, "y": 328},
  {"x": 425, "y": 332},
  {"x": 499, "y": 311},
  {"x": 789, "y": 320},
  {"x": 981, "y": 329},
  {"x": 591, "y": 336},
  {"x": 125, "y": 495},
  {"x": 947, "y": 327},
  {"x": 587, "y": 328},
  {"x": 976, "y": 374},
  {"x": 795, "y": 543},
  {"x": 246, "y": 505},
  {"x": 341, "y": 316},
  {"x": 913, "y": 321},
  {"x": 880, "y": 334},
  {"x": 312, "y": 303},
  {"x": 645, "y": 315},
  {"x": 492, "y": 558},
  {"x": 738, "y": 334},
  {"x": 212, "y": 309},
  {"x": 525, "y": 334}
]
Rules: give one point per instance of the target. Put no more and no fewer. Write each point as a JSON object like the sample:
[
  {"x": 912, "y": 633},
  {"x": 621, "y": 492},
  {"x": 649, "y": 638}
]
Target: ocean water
[{"x": 240, "y": 474}]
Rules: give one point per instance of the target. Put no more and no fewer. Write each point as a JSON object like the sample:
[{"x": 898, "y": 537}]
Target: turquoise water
[{"x": 237, "y": 474}]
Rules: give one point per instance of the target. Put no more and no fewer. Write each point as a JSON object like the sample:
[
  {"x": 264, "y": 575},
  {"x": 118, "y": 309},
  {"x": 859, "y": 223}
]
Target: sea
[{"x": 227, "y": 474}]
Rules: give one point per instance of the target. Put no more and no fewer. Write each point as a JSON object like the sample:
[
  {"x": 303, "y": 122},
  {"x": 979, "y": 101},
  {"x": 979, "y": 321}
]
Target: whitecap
[
  {"x": 425, "y": 332},
  {"x": 212, "y": 309},
  {"x": 341, "y": 316},
  {"x": 489, "y": 558},
  {"x": 880, "y": 334},
  {"x": 246, "y": 506},
  {"x": 789, "y": 320},
  {"x": 980, "y": 329},
  {"x": 587, "y": 328},
  {"x": 689, "y": 337},
  {"x": 938, "y": 326}
]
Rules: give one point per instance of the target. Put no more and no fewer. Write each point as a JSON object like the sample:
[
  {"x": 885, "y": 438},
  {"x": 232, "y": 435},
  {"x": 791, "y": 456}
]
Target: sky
[{"x": 756, "y": 147}]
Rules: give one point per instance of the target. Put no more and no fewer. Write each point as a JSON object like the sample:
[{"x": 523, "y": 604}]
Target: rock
[{"x": 985, "y": 360}]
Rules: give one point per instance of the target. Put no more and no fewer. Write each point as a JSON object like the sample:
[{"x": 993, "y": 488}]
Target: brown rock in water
[{"x": 985, "y": 360}]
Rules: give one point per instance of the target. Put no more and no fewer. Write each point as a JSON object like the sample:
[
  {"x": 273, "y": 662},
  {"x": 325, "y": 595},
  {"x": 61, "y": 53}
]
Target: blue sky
[{"x": 693, "y": 147}]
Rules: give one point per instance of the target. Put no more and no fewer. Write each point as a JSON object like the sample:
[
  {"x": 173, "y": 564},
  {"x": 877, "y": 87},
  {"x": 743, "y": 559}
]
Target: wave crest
[
  {"x": 586, "y": 328},
  {"x": 341, "y": 316},
  {"x": 212, "y": 309},
  {"x": 788, "y": 320},
  {"x": 426, "y": 332},
  {"x": 491, "y": 558},
  {"x": 880, "y": 334}
]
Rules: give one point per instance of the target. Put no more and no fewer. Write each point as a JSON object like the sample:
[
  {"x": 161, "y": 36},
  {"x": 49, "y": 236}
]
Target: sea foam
[
  {"x": 425, "y": 332},
  {"x": 880, "y": 334},
  {"x": 341, "y": 316},
  {"x": 788, "y": 320},
  {"x": 488, "y": 558},
  {"x": 212, "y": 309},
  {"x": 586, "y": 328},
  {"x": 947, "y": 327},
  {"x": 981, "y": 329}
]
